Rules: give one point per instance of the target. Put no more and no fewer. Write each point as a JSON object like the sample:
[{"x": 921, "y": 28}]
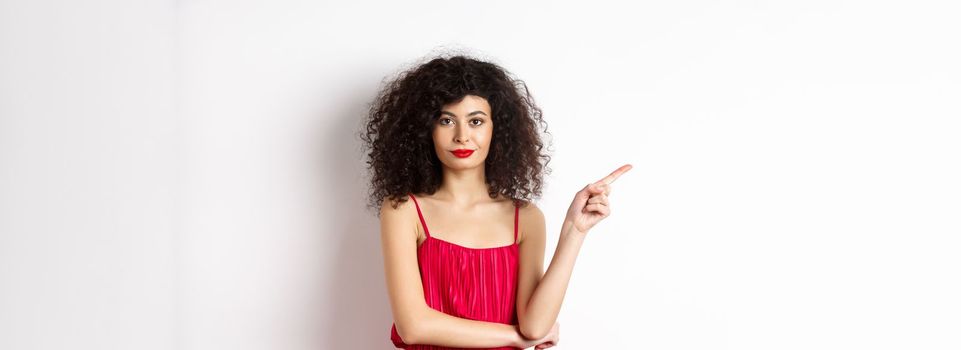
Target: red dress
[{"x": 472, "y": 283}]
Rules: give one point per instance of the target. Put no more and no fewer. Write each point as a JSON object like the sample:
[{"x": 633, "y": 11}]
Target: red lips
[{"x": 462, "y": 153}]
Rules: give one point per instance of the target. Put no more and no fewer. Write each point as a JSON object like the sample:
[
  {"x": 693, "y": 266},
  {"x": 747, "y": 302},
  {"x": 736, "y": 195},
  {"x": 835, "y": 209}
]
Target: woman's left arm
[{"x": 539, "y": 298}]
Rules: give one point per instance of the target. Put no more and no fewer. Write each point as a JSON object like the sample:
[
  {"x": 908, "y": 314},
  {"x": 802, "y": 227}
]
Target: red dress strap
[
  {"x": 516, "y": 208},
  {"x": 419, "y": 214}
]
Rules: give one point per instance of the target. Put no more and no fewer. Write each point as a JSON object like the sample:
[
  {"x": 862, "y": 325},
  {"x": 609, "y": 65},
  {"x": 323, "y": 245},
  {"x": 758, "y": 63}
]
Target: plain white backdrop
[{"x": 187, "y": 174}]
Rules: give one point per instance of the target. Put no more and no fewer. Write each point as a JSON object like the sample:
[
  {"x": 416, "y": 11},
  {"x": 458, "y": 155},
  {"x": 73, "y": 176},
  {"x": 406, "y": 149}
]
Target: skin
[{"x": 461, "y": 212}]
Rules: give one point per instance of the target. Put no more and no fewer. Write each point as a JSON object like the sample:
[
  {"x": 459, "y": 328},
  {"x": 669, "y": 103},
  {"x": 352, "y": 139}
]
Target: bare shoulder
[
  {"x": 530, "y": 211},
  {"x": 400, "y": 218},
  {"x": 531, "y": 221}
]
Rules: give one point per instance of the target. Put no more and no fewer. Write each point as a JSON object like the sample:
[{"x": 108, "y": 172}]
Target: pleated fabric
[{"x": 472, "y": 283}]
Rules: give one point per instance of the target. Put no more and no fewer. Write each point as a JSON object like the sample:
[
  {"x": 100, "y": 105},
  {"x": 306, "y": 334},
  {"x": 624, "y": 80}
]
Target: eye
[
  {"x": 442, "y": 121},
  {"x": 481, "y": 121}
]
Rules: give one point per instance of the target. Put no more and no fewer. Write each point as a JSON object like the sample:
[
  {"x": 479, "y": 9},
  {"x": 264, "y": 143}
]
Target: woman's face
[{"x": 463, "y": 125}]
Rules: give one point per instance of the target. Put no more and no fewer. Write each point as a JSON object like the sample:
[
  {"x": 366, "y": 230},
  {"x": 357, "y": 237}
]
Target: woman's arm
[
  {"x": 539, "y": 298},
  {"x": 440, "y": 329},
  {"x": 590, "y": 205},
  {"x": 415, "y": 321}
]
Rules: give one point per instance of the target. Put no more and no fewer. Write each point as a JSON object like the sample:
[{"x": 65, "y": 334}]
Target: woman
[{"x": 464, "y": 258}]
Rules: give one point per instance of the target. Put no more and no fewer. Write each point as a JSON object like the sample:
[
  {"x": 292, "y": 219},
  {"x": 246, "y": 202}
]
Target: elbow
[
  {"x": 530, "y": 331},
  {"x": 414, "y": 325},
  {"x": 408, "y": 332}
]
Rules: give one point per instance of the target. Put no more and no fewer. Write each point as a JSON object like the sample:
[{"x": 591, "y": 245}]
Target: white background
[{"x": 187, "y": 174}]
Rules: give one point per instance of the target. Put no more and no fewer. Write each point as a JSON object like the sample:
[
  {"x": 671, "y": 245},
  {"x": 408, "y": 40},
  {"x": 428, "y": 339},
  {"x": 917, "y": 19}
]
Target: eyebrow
[{"x": 470, "y": 114}]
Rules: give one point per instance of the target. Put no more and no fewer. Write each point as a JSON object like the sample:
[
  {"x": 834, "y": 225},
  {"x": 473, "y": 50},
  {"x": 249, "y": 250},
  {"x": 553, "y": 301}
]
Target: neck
[{"x": 464, "y": 187}]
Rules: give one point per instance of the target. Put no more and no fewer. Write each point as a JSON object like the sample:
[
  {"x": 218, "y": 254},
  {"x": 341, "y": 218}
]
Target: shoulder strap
[
  {"x": 419, "y": 214},
  {"x": 516, "y": 208}
]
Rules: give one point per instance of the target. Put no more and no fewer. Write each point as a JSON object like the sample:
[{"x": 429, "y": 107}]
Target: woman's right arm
[{"x": 416, "y": 322}]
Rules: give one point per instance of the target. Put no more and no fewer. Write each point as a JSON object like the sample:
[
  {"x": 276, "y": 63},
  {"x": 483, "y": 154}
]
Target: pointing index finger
[{"x": 614, "y": 175}]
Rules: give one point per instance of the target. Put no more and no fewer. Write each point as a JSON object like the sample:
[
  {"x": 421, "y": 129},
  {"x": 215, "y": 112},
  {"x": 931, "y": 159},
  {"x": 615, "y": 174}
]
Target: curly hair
[{"x": 398, "y": 138}]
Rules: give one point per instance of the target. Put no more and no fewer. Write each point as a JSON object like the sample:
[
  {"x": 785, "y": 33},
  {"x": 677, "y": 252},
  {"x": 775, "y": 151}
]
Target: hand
[
  {"x": 549, "y": 340},
  {"x": 590, "y": 204}
]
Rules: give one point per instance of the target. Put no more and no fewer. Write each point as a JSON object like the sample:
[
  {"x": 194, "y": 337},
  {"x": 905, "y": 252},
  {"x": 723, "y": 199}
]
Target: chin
[
  {"x": 458, "y": 164},
  {"x": 463, "y": 166}
]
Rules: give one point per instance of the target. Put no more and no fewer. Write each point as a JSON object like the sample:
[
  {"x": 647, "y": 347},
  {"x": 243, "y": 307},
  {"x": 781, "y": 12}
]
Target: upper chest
[{"x": 479, "y": 226}]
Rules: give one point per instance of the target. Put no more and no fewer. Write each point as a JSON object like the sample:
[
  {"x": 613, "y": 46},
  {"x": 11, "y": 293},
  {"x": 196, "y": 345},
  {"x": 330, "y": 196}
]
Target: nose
[{"x": 461, "y": 134}]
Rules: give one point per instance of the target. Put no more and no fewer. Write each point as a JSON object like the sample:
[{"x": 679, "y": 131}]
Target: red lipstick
[{"x": 462, "y": 153}]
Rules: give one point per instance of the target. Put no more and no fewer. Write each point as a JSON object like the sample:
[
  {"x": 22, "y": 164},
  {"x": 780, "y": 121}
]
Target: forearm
[
  {"x": 545, "y": 302},
  {"x": 440, "y": 329}
]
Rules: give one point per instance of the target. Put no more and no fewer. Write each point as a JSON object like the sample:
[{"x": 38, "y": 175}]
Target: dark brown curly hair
[{"x": 400, "y": 121}]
